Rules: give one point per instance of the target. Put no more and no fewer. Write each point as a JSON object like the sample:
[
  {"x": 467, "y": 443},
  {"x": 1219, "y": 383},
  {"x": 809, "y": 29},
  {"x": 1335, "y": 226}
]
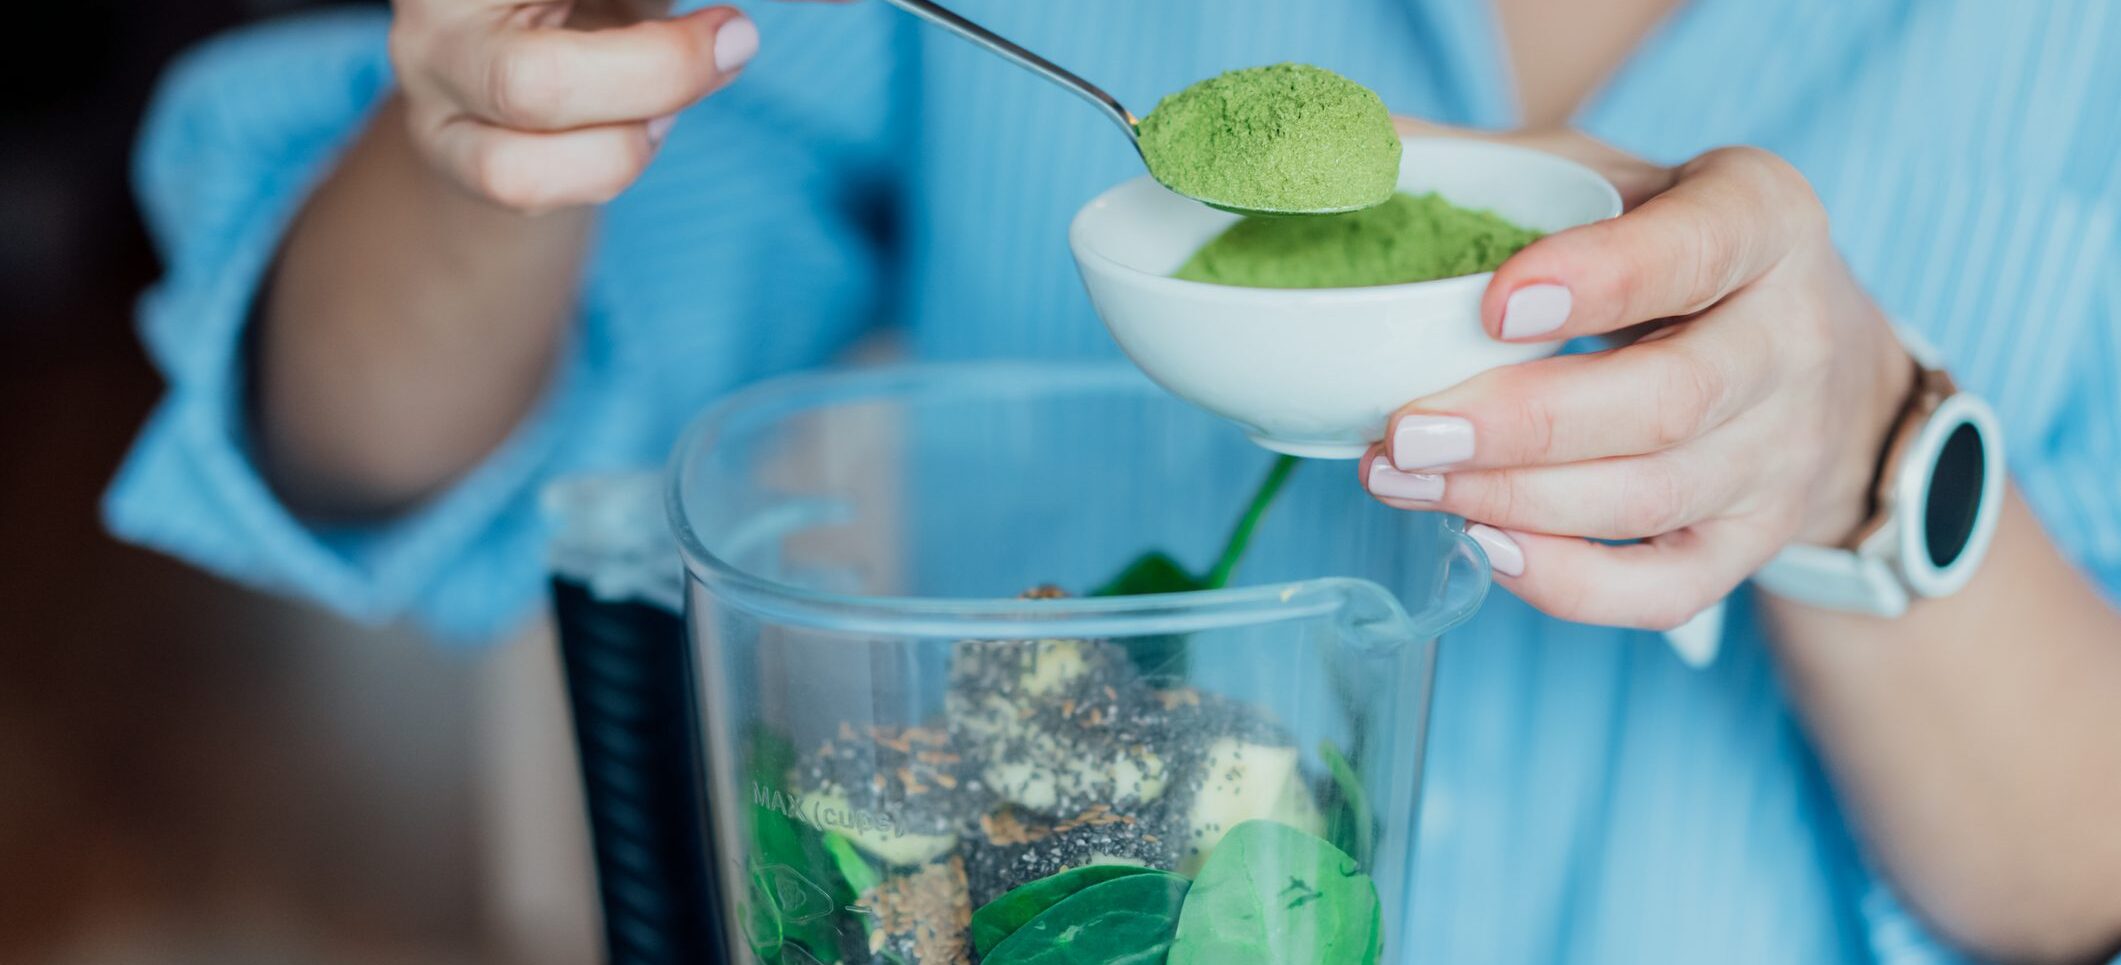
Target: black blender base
[{"x": 629, "y": 685}]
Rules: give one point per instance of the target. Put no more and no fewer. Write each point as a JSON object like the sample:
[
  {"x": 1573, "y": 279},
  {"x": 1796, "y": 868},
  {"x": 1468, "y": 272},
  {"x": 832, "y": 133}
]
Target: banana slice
[
  {"x": 831, "y": 811},
  {"x": 1053, "y": 723},
  {"x": 1298, "y": 809},
  {"x": 1241, "y": 781},
  {"x": 1038, "y": 771},
  {"x": 1054, "y": 666}
]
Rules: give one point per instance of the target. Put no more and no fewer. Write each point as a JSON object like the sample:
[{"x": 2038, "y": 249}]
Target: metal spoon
[{"x": 1105, "y": 103}]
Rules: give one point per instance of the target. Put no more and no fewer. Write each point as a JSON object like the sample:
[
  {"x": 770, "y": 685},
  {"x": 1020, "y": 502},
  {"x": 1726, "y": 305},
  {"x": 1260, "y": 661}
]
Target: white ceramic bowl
[{"x": 1315, "y": 372}]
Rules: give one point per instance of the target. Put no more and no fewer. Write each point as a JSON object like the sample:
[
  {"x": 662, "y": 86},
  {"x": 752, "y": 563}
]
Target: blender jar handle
[{"x": 628, "y": 677}]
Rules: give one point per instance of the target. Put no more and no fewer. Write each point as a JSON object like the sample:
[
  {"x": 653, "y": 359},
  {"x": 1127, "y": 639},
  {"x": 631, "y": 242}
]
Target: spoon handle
[{"x": 937, "y": 15}]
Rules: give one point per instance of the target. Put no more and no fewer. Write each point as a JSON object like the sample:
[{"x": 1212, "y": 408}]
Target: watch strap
[
  {"x": 1858, "y": 579},
  {"x": 1834, "y": 578},
  {"x": 1918, "y": 347},
  {"x": 1698, "y": 640}
]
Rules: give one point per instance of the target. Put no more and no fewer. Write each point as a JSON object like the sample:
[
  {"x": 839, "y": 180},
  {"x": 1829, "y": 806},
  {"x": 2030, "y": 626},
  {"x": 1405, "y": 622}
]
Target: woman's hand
[
  {"x": 555, "y": 104},
  {"x": 1749, "y": 413},
  {"x": 415, "y": 290}
]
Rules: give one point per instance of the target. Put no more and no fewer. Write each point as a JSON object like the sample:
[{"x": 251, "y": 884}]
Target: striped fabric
[{"x": 1588, "y": 798}]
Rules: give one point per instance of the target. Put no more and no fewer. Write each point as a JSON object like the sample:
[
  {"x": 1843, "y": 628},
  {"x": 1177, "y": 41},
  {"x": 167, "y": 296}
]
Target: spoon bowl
[{"x": 1105, "y": 103}]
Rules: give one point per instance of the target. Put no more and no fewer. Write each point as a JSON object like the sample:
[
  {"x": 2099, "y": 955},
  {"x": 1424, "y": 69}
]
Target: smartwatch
[{"x": 1934, "y": 506}]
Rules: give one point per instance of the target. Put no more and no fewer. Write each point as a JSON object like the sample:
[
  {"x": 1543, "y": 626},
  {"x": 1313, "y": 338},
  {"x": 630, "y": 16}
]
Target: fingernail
[
  {"x": 1535, "y": 310},
  {"x": 1390, "y": 483},
  {"x": 1503, "y": 552},
  {"x": 1430, "y": 441},
  {"x": 735, "y": 44},
  {"x": 659, "y": 127}
]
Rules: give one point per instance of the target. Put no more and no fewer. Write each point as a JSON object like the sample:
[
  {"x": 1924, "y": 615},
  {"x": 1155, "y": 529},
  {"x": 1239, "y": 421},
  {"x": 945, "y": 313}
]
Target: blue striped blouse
[{"x": 1588, "y": 798}]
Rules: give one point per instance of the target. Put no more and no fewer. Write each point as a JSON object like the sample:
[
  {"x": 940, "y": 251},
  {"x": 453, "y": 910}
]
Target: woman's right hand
[{"x": 542, "y": 106}]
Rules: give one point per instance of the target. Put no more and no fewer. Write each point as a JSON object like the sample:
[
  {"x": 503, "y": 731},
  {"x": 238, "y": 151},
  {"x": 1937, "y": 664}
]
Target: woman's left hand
[{"x": 1748, "y": 414}]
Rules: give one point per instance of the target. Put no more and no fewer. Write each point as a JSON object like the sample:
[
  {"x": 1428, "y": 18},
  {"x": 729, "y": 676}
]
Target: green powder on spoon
[
  {"x": 1405, "y": 239},
  {"x": 1283, "y": 138}
]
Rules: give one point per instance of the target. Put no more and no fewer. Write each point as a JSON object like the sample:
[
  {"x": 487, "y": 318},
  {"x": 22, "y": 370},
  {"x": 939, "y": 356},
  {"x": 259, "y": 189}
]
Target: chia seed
[
  {"x": 913, "y": 774},
  {"x": 1116, "y": 762},
  {"x": 995, "y": 863}
]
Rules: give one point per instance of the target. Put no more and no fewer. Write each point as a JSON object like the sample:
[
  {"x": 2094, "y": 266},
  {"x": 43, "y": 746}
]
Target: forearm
[
  {"x": 407, "y": 327},
  {"x": 1978, "y": 739}
]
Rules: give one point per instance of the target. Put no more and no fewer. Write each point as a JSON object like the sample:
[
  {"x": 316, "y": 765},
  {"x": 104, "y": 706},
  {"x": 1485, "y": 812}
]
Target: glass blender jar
[{"x": 922, "y": 743}]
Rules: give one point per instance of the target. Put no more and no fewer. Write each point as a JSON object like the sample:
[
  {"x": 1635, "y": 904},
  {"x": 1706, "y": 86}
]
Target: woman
[{"x": 399, "y": 300}]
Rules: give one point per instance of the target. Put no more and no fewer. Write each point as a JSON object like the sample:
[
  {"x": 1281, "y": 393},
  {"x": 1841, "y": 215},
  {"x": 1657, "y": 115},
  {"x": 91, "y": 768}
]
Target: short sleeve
[{"x": 672, "y": 315}]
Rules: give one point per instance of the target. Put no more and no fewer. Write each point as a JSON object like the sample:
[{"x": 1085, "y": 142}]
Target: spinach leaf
[
  {"x": 1352, "y": 826},
  {"x": 859, "y": 876},
  {"x": 797, "y": 893},
  {"x": 1241, "y": 536},
  {"x": 853, "y": 868},
  {"x": 1157, "y": 572},
  {"x": 762, "y": 921},
  {"x": 1272, "y": 895},
  {"x": 1162, "y": 655},
  {"x": 1000, "y": 918},
  {"x": 798, "y": 897},
  {"x": 1125, "y": 921},
  {"x": 1151, "y": 572}
]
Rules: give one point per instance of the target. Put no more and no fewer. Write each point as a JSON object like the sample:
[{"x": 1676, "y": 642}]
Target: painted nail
[
  {"x": 659, "y": 127},
  {"x": 1535, "y": 310},
  {"x": 1390, "y": 483},
  {"x": 735, "y": 44},
  {"x": 1430, "y": 441},
  {"x": 1503, "y": 552}
]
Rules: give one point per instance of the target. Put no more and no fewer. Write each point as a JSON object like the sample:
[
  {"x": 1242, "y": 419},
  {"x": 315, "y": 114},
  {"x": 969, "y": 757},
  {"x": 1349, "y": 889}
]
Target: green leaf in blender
[
  {"x": 1156, "y": 571},
  {"x": 1353, "y": 826},
  {"x": 797, "y": 894},
  {"x": 853, "y": 869},
  {"x": 1000, "y": 918},
  {"x": 1152, "y": 572},
  {"x": 762, "y": 919},
  {"x": 1244, "y": 780},
  {"x": 789, "y": 890},
  {"x": 1269, "y": 895},
  {"x": 1241, "y": 535},
  {"x": 1125, "y": 921}
]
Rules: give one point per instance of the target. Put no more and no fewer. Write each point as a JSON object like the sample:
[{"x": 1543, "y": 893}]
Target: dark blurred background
[{"x": 189, "y": 772}]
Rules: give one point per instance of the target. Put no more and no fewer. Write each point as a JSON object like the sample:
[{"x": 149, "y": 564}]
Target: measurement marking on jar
[{"x": 825, "y": 813}]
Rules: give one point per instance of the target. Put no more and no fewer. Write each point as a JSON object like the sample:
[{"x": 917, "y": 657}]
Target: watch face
[
  {"x": 1954, "y": 505},
  {"x": 1951, "y": 490}
]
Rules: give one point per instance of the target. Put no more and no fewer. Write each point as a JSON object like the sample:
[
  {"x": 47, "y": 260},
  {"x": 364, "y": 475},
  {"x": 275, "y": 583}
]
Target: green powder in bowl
[
  {"x": 1284, "y": 138},
  {"x": 1405, "y": 239}
]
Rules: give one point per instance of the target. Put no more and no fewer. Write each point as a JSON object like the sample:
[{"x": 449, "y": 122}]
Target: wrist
[{"x": 1848, "y": 496}]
